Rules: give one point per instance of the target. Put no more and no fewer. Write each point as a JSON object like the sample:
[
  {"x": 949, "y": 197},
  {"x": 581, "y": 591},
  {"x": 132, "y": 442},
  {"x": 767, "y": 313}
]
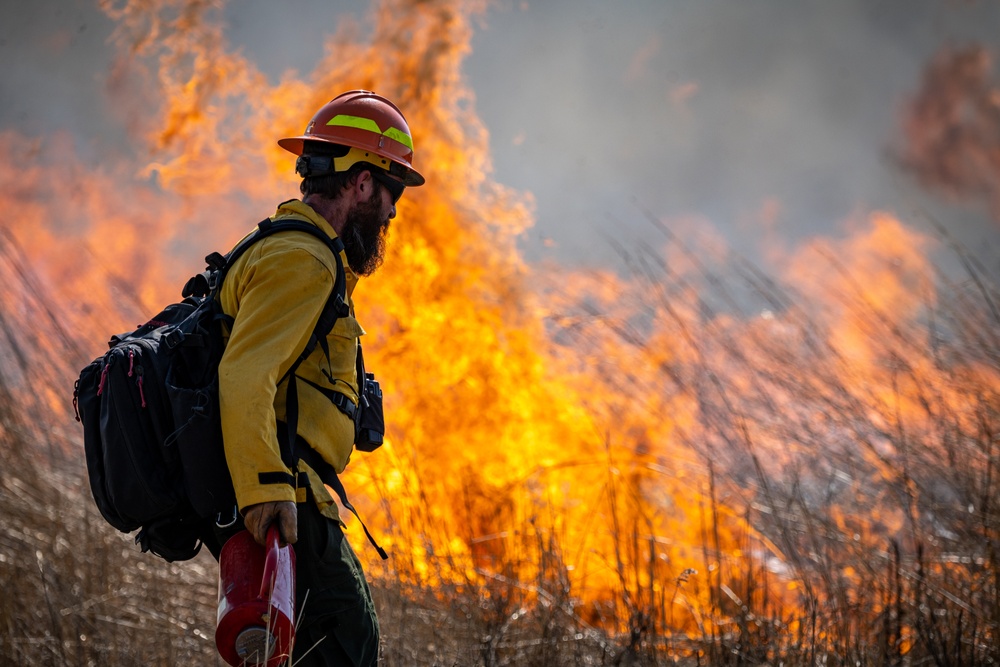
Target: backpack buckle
[
  {"x": 215, "y": 261},
  {"x": 173, "y": 338},
  {"x": 196, "y": 286}
]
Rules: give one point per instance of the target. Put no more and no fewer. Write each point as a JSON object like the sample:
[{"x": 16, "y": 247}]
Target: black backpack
[{"x": 150, "y": 411}]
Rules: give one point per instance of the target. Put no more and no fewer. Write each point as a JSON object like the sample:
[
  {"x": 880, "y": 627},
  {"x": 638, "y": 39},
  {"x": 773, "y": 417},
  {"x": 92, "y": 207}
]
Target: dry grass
[
  {"x": 869, "y": 507},
  {"x": 75, "y": 591}
]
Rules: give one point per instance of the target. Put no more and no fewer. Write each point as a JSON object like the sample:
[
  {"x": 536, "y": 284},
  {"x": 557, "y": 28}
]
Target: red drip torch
[{"x": 256, "y": 621}]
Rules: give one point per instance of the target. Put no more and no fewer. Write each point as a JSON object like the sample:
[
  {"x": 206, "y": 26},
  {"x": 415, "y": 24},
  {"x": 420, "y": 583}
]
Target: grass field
[{"x": 840, "y": 510}]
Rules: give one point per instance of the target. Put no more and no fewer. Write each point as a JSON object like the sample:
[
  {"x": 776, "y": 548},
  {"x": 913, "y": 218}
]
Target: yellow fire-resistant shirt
[{"x": 276, "y": 292}]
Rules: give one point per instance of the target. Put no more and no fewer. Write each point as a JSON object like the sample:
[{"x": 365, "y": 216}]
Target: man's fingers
[
  {"x": 288, "y": 521},
  {"x": 258, "y": 518},
  {"x": 264, "y": 518}
]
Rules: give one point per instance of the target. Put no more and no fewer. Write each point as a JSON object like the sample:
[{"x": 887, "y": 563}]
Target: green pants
[{"x": 336, "y": 620}]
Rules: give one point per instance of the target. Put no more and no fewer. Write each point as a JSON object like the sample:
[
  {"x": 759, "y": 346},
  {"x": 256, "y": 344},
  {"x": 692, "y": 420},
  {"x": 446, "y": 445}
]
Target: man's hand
[{"x": 258, "y": 518}]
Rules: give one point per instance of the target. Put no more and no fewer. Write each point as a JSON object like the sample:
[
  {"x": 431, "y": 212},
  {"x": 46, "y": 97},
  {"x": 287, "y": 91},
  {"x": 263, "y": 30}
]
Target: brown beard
[{"x": 364, "y": 236}]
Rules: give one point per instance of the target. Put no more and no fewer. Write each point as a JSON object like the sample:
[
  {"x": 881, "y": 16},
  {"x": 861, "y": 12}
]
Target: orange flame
[{"x": 531, "y": 409}]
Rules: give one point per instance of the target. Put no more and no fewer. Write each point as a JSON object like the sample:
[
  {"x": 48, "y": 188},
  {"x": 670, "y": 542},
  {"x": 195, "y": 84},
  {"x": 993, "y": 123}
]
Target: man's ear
[{"x": 364, "y": 186}]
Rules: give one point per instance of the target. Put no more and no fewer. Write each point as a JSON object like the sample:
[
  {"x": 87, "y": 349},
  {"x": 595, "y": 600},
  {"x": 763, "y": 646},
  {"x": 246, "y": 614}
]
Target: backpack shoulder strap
[
  {"x": 335, "y": 308},
  {"x": 336, "y": 305},
  {"x": 265, "y": 228}
]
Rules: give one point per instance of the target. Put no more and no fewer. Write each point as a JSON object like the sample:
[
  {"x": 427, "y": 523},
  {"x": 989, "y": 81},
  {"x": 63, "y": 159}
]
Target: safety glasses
[{"x": 394, "y": 187}]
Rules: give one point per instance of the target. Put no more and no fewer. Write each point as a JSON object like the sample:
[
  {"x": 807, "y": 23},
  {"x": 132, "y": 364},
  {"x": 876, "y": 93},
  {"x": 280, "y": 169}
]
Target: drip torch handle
[{"x": 270, "y": 562}]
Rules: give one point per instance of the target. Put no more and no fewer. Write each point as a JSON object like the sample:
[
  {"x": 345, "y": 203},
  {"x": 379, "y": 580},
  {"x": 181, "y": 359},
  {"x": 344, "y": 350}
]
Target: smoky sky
[
  {"x": 716, "y": 109},
  {"x": 770, "y": 121}
]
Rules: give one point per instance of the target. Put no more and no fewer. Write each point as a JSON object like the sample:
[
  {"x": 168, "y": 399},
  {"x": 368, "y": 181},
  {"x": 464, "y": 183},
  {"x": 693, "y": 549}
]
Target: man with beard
[{"x": 355, "y": 159}]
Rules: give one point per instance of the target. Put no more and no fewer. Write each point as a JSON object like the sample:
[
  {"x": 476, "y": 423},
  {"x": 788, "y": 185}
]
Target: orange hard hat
[{"x": 371, "y": 126}]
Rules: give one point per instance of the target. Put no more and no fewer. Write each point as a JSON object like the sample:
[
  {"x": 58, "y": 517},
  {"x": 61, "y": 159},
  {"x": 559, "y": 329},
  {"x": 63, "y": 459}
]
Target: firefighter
[{"x": 355, "y": 160}]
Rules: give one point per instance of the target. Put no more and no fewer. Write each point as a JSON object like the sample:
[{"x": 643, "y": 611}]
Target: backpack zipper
[
  {"x": 104, "y": 376},
  {"x": 138, "y": 371}
]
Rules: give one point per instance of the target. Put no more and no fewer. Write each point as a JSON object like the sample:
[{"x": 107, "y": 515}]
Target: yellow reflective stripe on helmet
[
  {"x": 344, "y": 120},
  {"x": 400, "y": 136}
]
